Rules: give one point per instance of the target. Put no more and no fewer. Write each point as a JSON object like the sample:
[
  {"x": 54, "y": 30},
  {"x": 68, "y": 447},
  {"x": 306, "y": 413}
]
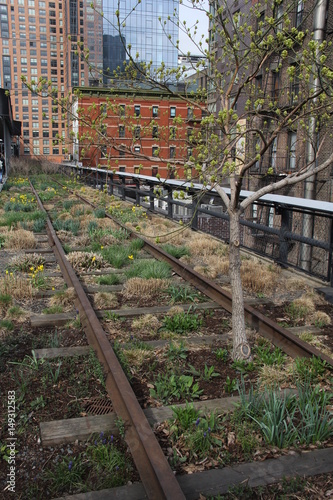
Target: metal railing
[{"x": 273, "y": 227}]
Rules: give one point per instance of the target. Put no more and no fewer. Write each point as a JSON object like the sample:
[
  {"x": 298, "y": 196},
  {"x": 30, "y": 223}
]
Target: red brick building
[{"x": 141, "y": 131}]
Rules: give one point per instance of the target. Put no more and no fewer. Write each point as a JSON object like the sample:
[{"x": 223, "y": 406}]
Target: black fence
[{"x": 287, "y": 230}]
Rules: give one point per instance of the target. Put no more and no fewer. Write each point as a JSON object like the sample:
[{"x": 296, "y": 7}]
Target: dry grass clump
[
  {"x": 303, "y": 306},
  {"x": 146, "y": 324},
  {"x": 20, "y": 239},
  {"x": 64, "y": 216},
  {"x": 211, "y": 273},
  {"x": 23, "y": 262},
  {"x": 218, "y": 265},
  {"x": 137, "y": 357},
  {"x": 85, "y": 220},
  {"x": 258, "y": 277},
  {"x": 271, "y": 376},
  {"x": 204, "y": 246},
  {"x": 320, "y": 318},
  {"x": 295, "y": 285},
  {"x": 173, "y": 311},
  {"x": 65, "y": 236},
  {"x": 105, "y": 300},
  {"x": 17, "y": 314},
  {"x": 17, "y": 287},
  {"x": 80, "y": 241},
  {"x": 79, "y": 208},
  {"x": 86, "y": 260},
  {"x": 106, "y": 223},
  {"x": 64, "y": 298},
  {"x": 142, "y": 288}
]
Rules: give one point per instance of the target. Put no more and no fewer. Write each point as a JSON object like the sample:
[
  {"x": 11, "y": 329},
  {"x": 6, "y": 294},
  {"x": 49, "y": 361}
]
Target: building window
[
  {"x": 136, "y": 149},
  {"x": 172, "y": 111},
  {"x": 273, "y": 151},
  {"x": 137, "y": 132},
  {"x": 292, "y": 139},
  {"x": 275, "y": 85},
  {"x": 122, "y": 109},
  {"x": 189, "y": 152},
  {"x": 122, "y": 168},
  {"x": 172, "y": 151},
  {"x": 190, "y": 113},
  {"x": 137, "y": 109},
  {"x": 172, "y": 132},
  {"x": 155, "y": 111},
  {"x": 299, "y": 13},
  {"x": 121, "y": 130},
  {"x": 294, "y": 91},
  {"x": 155, "y": 150},
  {"x": 155, "y": 132},
  {"x": 154, "y": 171},
  {"x": 279, "y": 17}
]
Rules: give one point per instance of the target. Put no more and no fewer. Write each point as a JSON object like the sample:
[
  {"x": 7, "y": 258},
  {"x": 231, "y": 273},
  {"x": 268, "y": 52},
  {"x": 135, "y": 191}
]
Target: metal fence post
[
  {"x": 151, "y": 197},
  {"x": 194, "y": 219},
  {"x": 330, "y": 258},
  {"x": 283, "y": 242},
  {"x": 123, "y": 183},
  {"x": 170, "y": 205}
]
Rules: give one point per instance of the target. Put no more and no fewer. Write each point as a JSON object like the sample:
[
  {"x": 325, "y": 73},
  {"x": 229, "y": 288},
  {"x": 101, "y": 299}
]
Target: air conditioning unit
[{"x": 217, "y": 209}]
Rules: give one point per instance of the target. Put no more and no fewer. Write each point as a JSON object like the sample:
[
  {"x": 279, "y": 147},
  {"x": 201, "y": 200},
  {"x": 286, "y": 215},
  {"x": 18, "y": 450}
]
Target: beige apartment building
[{"x": 39, "y": 39}]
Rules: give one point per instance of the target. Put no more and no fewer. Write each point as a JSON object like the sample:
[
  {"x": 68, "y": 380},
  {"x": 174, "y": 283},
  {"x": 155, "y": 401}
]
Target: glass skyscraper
[{"x": 143, "y": 29}]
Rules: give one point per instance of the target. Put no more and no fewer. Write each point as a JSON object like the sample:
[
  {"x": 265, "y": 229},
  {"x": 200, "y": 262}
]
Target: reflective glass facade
[{"x": 147, "y": 35}]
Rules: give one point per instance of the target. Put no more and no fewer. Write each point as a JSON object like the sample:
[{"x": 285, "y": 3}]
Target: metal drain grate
[{"x": 98, "y": 406}]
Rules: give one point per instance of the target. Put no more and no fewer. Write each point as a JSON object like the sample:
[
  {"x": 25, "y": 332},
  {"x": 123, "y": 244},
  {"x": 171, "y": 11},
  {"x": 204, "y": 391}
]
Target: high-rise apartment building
[
  {"x": 42, "y": 39},
  {"x": 39, "y": 40},
  {"x": 149, "y": 28}
]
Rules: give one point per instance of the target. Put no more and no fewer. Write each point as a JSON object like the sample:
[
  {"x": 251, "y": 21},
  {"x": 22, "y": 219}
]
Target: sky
[{"x": 191, "y": 15}]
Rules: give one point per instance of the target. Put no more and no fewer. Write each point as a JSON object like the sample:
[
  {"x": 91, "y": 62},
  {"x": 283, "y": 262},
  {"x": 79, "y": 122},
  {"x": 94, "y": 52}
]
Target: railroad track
[{"x": 156, "y": 475}]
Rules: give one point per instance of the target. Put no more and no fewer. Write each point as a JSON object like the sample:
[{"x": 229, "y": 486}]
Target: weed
[
  {"x": 222, "y": 354},
  {"x": 7, "y": 324},
  {"x": 149, "y": 268},
  {"x": 243, "y": 366},
  {"x": 117, "y": 347},
  {"x": 67, "y": 225},
  {"x": 169, "y": 387},
  {"x": 99, "y": 213},
  {"x": 120, "y": 424},
  {"x": 38, "y": 403},
  {"x": 31, "y": 362},
  {"x": 39, "y": 224},
  {"x": 53, "y": 310},
  {"x": 5, "y": 300},
  {"x": 95, "y": 367},
  {"x": 56, "y": 373},
  {"x": 209, "y": 373},
  {"x": 184, "y": 418},
  {"x": 293, "y": 484},
  {"x": 181, "y": 294},
  {"x": 182, "y": 322},
  {"x": 110, "y": 279},
  {"x": 117, "y": 255},
  {"x": 307, "y": 369},
  {"x": 67, "y": 475},
  {"x": 175, "y": 352},
  {"x": 231, "y": 385},
  {"x": 176, "y": 251},
  {"x": 266, "y": 356},
  {"x": 112, "y": 316}
]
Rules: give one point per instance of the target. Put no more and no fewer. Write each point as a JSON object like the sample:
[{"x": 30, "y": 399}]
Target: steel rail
[
  {"x": 155, "y": 472},
  {"x": 279, "y": 336}
]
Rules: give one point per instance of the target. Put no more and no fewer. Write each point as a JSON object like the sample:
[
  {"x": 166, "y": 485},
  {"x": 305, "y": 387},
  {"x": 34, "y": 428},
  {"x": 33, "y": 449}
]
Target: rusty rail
[
  {"x": 279, "y": 336},
  {"x": 155, "y": 473}
]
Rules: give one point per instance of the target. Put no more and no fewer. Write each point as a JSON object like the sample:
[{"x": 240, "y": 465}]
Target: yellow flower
[
  {"x": 94, "y": 258},
  {"x": 11, "y": 274},
  {"x": 6, "y": 272},
  {"x": 130, "y": 257},
  {"x": 53, "y": 288},
  {"x": 102, "y": 247}
]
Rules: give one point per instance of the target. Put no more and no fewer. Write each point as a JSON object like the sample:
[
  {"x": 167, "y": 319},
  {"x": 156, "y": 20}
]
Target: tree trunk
[{"x": 241, "y": 347}]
